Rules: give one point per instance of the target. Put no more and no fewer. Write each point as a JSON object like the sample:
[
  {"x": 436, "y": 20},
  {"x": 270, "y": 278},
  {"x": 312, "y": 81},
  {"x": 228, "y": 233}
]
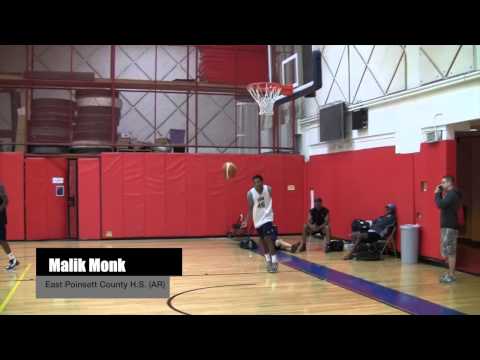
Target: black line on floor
[{"x": 170, "y": 299}]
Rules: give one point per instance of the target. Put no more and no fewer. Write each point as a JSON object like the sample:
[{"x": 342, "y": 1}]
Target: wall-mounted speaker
[{"x": 360, "y": 119}]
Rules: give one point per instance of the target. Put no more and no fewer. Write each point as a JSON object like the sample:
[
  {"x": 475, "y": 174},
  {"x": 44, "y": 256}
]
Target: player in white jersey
[{"x": 261, "y": 211}]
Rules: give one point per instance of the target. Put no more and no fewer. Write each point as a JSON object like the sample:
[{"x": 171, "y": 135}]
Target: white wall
[{"x": 407, "y": 90}]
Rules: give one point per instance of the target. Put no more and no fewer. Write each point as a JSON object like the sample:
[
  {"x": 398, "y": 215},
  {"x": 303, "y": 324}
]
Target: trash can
[{"x": 409, "y": 236}]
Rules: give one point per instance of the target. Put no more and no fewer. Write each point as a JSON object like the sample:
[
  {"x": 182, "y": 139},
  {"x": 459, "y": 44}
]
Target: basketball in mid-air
[{"x": 229, "y": 170}]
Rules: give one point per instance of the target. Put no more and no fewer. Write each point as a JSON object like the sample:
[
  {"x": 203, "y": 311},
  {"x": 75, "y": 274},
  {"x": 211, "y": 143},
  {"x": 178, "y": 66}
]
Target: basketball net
[
  {"x": 266, "y": 94},
  {"x": 266, "y": 121}
]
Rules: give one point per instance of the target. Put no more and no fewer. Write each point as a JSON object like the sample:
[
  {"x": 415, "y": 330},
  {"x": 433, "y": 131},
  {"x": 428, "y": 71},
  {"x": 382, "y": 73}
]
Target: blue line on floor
[{"x": 407, "y": 303}]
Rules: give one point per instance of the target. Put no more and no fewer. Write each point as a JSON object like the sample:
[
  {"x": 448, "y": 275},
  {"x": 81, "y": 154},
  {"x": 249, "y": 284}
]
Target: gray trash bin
[{"x": 409, "y": 243}]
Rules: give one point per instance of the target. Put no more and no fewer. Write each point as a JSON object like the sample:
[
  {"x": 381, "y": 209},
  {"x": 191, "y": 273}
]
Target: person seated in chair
[
  {"x": 380, "y": 229},
  {"x": 317, "y": 223}
]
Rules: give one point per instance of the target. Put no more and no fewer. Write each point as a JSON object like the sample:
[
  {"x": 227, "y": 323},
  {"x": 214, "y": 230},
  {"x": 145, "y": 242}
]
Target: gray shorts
[{"x": 448, "y": 243}]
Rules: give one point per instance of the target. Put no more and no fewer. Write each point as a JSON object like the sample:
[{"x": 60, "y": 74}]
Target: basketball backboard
[{"x": 298, "y": 65}]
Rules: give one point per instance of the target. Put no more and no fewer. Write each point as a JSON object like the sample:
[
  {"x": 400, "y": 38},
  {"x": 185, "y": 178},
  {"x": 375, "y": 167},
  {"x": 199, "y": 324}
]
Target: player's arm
[{"x": 3, "y": 198}]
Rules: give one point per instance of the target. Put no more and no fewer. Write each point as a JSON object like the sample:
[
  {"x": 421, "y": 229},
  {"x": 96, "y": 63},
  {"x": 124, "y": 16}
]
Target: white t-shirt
[{"x": 262, "y": 206}]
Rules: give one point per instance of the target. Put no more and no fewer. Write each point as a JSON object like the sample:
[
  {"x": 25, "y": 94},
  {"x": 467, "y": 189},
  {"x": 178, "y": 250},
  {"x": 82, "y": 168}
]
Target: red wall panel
[
  {"x": 237, "y": 187},
  {"x": 292, "y": 208},
  {"x": 196, "y": 203},
  {"x": 46, "y": 213},
  {"x": 155, "y": 195},
  {"x": 112, "y": 195},
  {"x": 432, "y": 163},
  {"x": 217, "y": 204},
  {"x": 359, "y": 184},
  {"x": 11, "y": 175},
  {"x": 176, "y": 195},
  {"x": 134, "y": 195},
  {"x": 89, "y": 199},
  {"x": 160, "y": 195},
  {"x": 186, "y": 194}
]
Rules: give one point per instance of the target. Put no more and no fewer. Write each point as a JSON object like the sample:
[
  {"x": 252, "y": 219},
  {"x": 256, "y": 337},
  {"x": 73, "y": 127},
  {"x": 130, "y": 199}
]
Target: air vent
[{"x": 433, "y": 136}]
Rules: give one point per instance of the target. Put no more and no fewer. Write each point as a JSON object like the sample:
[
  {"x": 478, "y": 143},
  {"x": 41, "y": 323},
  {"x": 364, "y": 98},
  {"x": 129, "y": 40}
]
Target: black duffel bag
[
  {"x": 360, "y": 225},
  {"x": 334, "y": 245}
]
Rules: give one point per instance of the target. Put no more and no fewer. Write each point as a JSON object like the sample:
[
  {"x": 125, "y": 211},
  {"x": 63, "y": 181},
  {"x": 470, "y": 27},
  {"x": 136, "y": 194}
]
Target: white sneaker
[{"x": 12, "y": 264}]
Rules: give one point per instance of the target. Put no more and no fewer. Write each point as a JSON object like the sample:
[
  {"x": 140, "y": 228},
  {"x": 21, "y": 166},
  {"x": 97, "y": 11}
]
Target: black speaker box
[{"x": 360, "y": 119}]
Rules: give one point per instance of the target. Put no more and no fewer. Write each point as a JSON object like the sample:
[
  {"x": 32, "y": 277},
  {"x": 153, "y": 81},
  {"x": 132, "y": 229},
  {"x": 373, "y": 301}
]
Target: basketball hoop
[{"x": 266, "y": 93}]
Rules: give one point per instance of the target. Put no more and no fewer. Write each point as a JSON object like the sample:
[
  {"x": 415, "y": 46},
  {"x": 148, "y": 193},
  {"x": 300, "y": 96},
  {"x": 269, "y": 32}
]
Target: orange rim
[{"x": 285, "y": 89}]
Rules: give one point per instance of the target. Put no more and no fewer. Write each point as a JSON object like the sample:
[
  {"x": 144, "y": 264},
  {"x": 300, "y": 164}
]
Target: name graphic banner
[{"x": 106, "y": 272}]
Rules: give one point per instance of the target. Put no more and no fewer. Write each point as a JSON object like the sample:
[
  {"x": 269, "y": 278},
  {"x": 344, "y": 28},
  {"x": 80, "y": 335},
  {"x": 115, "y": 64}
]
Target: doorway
[
  {"x": 468, "y": 181},
  {"x": 72, "y": 199}
]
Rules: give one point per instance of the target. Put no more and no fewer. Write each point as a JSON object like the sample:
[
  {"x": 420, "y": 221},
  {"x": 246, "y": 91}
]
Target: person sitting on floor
[
  {"x": 282, "y": 244},
  {"x": 317, "y": 223},
  {"x": 379, "y": 230}
]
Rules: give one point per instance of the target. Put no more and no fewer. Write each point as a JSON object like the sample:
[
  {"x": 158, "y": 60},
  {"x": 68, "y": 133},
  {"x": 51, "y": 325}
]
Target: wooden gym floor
[{"x": 220, "y": 278}]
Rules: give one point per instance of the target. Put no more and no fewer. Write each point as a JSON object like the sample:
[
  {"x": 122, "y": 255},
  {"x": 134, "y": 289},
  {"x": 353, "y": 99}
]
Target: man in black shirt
[
  {"x": 12, "y": 261},
  {"x": 380, "y": 229},
  {"x": 317, "y": 223},
  {"x": 448, "y": 200}
]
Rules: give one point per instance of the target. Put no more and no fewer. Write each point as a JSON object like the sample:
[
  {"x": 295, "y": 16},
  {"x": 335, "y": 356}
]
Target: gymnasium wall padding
[
  {"x": 358, "y": 184},
  {"x": 11, "y": 175},
  {"x": 46, "y": 213},
  {"x": 162, "y": 195},
  {"x": 155, "y": 195},
  {"x": 196, "y": 204},
  {"x": 89, "y": 199},
  {"x": 112, "y": 195},
  {"x": 133, "y": 195},
  {"x": 186, "y": 195},
  {"x": 176, "y": 195}
]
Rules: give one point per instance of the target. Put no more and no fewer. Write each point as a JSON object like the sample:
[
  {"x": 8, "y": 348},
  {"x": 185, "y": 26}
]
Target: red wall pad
[
  {"x": 133, "y": 195},
  {"x": 11, "y": 175},
  {"x": 112, "y": 195},
  {"x": 89, "y": 199},
  {"x": 177, "y": 195},
  {"x": 155, "y": 195},
  {"x": 198, "y": 218},
  {"x": 46, "y": 213},
  {"x": 358, "y": 184}
]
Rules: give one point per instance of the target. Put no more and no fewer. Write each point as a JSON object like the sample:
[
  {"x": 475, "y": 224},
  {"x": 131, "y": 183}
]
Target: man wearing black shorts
[
  {"x": 12, "y": 260},
  {"x": 317, "y": 223}
]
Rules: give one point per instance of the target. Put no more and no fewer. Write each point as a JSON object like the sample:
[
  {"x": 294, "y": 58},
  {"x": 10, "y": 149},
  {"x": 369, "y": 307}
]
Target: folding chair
[{"x": 390, "y": 241}]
